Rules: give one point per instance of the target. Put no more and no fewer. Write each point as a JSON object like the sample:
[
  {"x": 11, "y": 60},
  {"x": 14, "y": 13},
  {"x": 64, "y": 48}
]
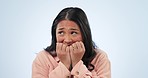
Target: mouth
[{"x": 69, "y": 44}]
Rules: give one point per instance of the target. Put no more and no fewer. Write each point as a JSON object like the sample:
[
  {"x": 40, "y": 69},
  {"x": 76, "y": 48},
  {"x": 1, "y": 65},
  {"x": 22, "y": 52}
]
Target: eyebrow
[
  {"x": 74, "y": 29},
  {"x": 60, "y": 28},
  {"x": 70, "y": 29}
]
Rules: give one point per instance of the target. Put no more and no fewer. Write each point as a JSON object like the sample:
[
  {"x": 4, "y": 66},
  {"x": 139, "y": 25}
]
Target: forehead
[{"x": 67, "y": 24}]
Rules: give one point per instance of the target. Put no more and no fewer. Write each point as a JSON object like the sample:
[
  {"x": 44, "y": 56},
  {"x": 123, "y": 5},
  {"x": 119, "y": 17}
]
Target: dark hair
[{"x": 79, "y": 17}]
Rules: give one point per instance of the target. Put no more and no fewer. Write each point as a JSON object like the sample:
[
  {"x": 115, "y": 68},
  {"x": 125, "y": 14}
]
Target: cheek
[
  {"x": 78, "y": 38},
  {"x": 59, "y": 39}
]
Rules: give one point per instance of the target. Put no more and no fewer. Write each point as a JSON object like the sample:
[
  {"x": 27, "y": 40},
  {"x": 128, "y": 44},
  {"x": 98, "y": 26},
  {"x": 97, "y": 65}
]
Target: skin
[{"x": 69, "y": 47}]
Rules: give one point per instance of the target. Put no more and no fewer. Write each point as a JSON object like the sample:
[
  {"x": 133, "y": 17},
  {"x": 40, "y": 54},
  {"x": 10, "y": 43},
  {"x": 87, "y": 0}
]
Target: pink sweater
[{"x": 46, "y": 66}]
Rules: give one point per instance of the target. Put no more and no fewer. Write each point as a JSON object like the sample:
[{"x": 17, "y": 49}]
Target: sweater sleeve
[
  {"x": 40, "y": 66},
  {"x": 102, "y": 68},
  {"x": 60, "y": 72},
  {"x": 80, "y": 70},
  {"x": 45, "y": 66}
]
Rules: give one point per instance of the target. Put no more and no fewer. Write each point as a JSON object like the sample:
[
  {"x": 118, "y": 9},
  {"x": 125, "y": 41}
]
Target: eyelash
[
  {"x": 73, "y": 33},
  {"x": 60, "y": 32}
]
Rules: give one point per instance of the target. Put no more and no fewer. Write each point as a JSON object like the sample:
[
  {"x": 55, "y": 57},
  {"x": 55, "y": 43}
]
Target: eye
[
  {"x": 74, "y": 33},
  {"x": 60, "y": 32}
]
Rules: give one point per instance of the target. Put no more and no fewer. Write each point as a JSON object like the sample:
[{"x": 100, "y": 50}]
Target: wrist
[
  {"x": 66, "y": 65},
  {"x": 74, "y": 63}
]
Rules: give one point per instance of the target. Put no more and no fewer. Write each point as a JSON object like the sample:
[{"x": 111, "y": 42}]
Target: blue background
[{"x": 119, "y": 27}]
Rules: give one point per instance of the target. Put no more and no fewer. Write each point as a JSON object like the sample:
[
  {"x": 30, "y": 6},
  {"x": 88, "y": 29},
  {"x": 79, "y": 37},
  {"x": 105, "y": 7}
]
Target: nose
[{"x": 68, "y": 40}]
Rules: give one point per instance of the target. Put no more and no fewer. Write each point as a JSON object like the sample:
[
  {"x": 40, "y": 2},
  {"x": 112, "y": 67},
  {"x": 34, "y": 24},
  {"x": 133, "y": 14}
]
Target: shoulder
[
  {"x": 44, "y": 57},
  {"x": 102, "y": 63},
  {"x": 44, "y": 60},
  {"x": 43, "y": 54},
  {"x": 100, "y": 56},
  {"x": 100, "y": 53}
]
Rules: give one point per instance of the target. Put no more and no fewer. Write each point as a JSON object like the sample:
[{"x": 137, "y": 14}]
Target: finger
[
  {"x": 74, "y": 45},
  {"x": 64, "y": 47},
  {"x": 78, "y": 45},
  {"x": 82, "y": 45},
  {"x": 71, "y": 49},
  {"x": 67, "y": 49},
  {"x": 60, "y": 46}
]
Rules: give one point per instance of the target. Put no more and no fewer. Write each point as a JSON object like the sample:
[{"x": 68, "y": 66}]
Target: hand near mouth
[
  {"x": 77, "y": 51},
  {"x": 63, "y": 54},
  {"x": 70, "y": 54}
]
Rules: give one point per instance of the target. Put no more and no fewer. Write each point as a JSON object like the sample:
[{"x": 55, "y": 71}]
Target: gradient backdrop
[{"x": 119, "y": 27}]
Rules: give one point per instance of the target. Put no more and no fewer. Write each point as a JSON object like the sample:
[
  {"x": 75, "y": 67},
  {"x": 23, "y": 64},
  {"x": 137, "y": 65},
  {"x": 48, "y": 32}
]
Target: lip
[{"x": 69, "y": 44}]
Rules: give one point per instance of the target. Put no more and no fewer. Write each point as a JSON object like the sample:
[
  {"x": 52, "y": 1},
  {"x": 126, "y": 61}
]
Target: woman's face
[{"x": 68, "y": 32}]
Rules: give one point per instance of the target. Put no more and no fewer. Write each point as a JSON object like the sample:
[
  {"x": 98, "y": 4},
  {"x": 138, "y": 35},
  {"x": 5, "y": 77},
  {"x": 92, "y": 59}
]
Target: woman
[{"x": 72, "y": 53}]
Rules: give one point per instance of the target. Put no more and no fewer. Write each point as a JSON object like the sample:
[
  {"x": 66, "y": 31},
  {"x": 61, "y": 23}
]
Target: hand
[
  {"x": 63, "y": 54},
  {"x": 77, "y": 51}
]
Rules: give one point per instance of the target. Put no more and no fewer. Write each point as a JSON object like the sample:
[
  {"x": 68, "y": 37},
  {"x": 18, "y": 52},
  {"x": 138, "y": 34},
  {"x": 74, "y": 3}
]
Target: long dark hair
[{"x": 79, "y": 17}]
